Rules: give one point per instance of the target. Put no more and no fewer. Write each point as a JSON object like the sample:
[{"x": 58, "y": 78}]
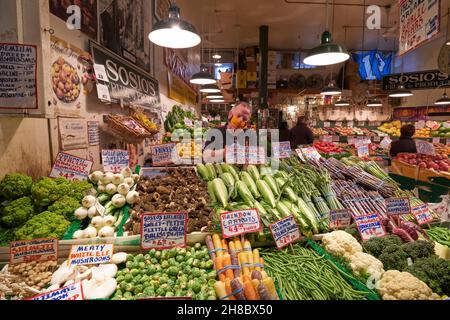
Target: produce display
[
  {"x": 319, "y": 132},
  {"x": 442, "y": 149},
  {"x": 432, "y": 129},
  {"x": 330, "y": 149},
  {"x": 423, "y": 161}
]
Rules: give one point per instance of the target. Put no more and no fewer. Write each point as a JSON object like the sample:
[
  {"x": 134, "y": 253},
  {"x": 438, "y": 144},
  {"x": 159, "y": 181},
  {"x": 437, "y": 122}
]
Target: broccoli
[
  {"x": 394, "y": 258},
  {"x": 44, "y": 225},
  {"x": 65, "y": 206},
  {"x": 435, "y": 272},
  {"x": 353, "y": 230},
  {"x": 46, "y": 191},
  {"x": 17, "y": 212},
  {"x": 375, "y": 246},
  {"x": 419, "y": 249},
  {"x": 15, "y": 186}
]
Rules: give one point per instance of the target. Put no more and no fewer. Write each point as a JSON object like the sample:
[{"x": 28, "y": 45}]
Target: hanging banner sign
[
  {"x": 115, "y": 160},
  {"x": 240, "y": 222},
  {"x": 72, "y": 133},
  {"x": 417, "y": 80},
  {"x": 422, "y": 214},
  {"x": 33, "y": 250},
  {"x": 162, "y": 231},
  {"x": 369, "y": 226},
  {"x": 419, "y": 22},
  {"x": 81, "y": 255},
  {"x": 398, "y": 206},
  {"x": 93, "y": 133},
  {"x": 71, "y": 167},
  {"x": 373, "y": 64},
  {"x": 18, "y": 88},
  {"x": 72, "y": 292},
  {"x": 127, "y": 84},
  {"x": 164, "y": 154},
  {"x": 285, "y": 232},
  {"x": 281, "y": 150},
  {"x": 179, "y": 91},
  {"x": 340, "y": 218}
]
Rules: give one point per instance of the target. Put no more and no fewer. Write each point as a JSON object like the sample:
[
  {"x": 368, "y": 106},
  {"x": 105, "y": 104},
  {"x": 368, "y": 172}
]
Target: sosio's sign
[{"x": 417, "y": 80}]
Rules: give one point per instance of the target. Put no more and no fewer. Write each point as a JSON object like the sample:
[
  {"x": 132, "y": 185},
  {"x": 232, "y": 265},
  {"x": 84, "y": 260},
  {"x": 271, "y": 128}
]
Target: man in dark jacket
[
  {"x": 406, "y": 143},
  {"x": 301, "y": 134}
]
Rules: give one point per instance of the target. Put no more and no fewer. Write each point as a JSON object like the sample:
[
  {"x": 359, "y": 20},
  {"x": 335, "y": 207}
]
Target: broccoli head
[
  {"x": 375, "y": 246},
  {"x": 353, "y": 230},
  {"x": 44, "y": 225},
  {"x": 394, "y": 258},
  {"x": 15, "y": 186},
  {"x": 435, "y": 272},
  {"x": 65, "y": 206},
  {"x": 46, "y": 191},
  {"x": 79, "y": 189},
  {"x": 17, "y": 212},
  {"x": 419, "y": 249}
]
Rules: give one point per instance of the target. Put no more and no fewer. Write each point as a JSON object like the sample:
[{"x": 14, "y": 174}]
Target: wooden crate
[
  {"x": 425, "y": 174},
  {"x": 404, "y": 169}
]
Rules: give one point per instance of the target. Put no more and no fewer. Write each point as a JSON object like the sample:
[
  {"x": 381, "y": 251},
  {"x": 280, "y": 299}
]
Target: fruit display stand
[{"x": 404, "y": 169}]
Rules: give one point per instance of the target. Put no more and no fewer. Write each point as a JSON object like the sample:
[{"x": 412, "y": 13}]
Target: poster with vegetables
[
  {"x": 71, "y": 78},
  {"x": 163, "y": 230}
]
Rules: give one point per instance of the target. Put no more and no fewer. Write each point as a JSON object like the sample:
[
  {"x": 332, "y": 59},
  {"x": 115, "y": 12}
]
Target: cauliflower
[
  {"x": 364, "y": 264},
  {"x": 15, "y": 186},
  {"x": 44, "y": 225},
  {"x": 341, "y": 243},
  {"x": 17, "y": 212},
  {"x": 65, "y": 206},
  {"x": 46, "y": 191},
  {"x": 396, "y": 285}
]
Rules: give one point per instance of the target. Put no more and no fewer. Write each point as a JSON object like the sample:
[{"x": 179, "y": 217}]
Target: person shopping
[
  {"x": 405, "y": 144},
  {"x": 301, "y": 134}
]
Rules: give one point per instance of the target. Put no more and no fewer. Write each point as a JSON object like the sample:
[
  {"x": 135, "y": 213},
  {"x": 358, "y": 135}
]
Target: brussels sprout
[
  {"x": 145, "y": 279},
  {"x": 188, "y": 255},
  {"x": 164, "y": 255},
  {"x": 179, "y": 258},
  {"x": 170, "y": 294},
  {"x": 190, "y": 262},
  {"x": 165, "y": 264},
  {"x": 130, "y": 264},
  {"x": 142, "y": 265},
  {"x": 120, "y": 279},
  {"x": 139, "y": 258},
  {"x": 150, "y": 270},
  {"x": 129, "y": 287},
  {"x": 172, "y": 252},
  {"x": 135, "y": 272},
  {"x": 209, "y": 264},
  {"x": 202, "y": 265},
  {"x": 211, "y": 275},
  {"x": 210, "y": 297},
  {"x": 140, "y": 296},
  {"x": 163, "y": 280},
  {"x": 147, "y": 257},
  {"x": 196, "y": 272},
  {"x": 138, "y": 289},
  {"x": 181, "y": 252},
  {"x": 151, "y": 253},
  {"x": 158, "y": 255},
  {"x": 154, "y": 261},
  {"x": 172, "y": 271},
  {"x": 130, "y": 257},
  {"x": 128, "y": 295},
  {"x": 149, "y": 292},
  {"x": 160, "y": 292}
]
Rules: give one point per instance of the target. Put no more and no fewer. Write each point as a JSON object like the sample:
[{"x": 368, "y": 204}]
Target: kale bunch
[
  {"x": 419, "y": 249},
  {"x": 435, "y": 272}
]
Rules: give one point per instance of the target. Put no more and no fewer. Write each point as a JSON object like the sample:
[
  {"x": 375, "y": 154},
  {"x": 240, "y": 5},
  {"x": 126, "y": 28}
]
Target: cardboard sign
[
  {"x": 336, "y": 139},
  {"x": 369, "y": 226},
  {"x": 285, "y": 232},
  {"x": 72, "y": 292},
  {"x": 339, "y": 124},
  {"x": 163, "y": 230},
  {"x": 425, "y": 147},
  {"x": 363, "y": 151},
  {"x": 239, "y": 222},
  {"x": 91, "y": 254},
  {"x": 311, "y": 153},
  {"x": 398, "y": 206},
  {"x": 326, "y": 124},
  {"x": 33, "y": 250},
  {"x": 327, "y": 138},
  {"x": 422, "y": 214},
  {"x": 71, "y": 167},
  {"x": 115, "y": 160},
  {"x": 281, "y": 150},
  {"x": 164, "y": 154},
  {"x": 340, "y": 218}
]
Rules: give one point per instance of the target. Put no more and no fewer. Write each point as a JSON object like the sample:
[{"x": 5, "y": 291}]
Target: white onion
[
  {"x": 81, "y": 213},
  {"x": 111, "y": 189},
  {"x": 123, "y": 189}
]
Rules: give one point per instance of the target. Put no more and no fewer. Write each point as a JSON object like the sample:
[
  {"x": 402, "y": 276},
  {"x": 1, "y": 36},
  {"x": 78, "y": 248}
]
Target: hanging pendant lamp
[
  {"x": 202, "y": 78},
  {"x": 342, "y": 102},
  {"x": 401, "y": 92},
  {"x": 210, "y": 88},
  {"x": 331, "y": 90},
  {"x": 212, "y": 96},
  {"x": 445, "y": 100},
  {"x": 327, "y": 53},
  {"x": 217, "y": 101},
  {"x": 174, "y": 32},
  {"x": 374, "y": 103}
]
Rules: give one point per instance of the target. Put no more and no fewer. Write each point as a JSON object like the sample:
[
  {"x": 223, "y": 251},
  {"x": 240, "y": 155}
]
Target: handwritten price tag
[
  {"x": 164, "y": 154},
  {"x": 115, "y": 160},
  {"x": 285, "y": 232},
  {"x": 422, "y": 214},
  {"x": 336, "y": 139},
  {"x": 350, "y": 124},
  {"x": 311, "y": 153},
  {"x": 90, "y": 254},
  {"x": 436, "y": 140},
  {"x": 327, "y": 138},
  {"x": 326, "y": 124},
  {"x": 340, "y": 218},
  {"x": 398, "y": 206},
  {"x": 100, "y": 208},
  {"x": 369, "y": 226},
  {"x": 71, "y": 292},
  {"x": 339, "y": 124},
  {"x": 281, "y": 150},
  {"x": 361, "y": 123},
  {"x": 163, "y": 230},
  {"x": 363, "y": 151},
  {"x": 71, "y": 167},
  {"x": 33, "y": 250},
  {"x": 239, "y": 222},
  {"x": 376, "y": 139}
]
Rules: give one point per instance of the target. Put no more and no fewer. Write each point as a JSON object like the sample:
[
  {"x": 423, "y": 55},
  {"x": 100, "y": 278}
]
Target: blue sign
[{"x": 373, "y": 64}]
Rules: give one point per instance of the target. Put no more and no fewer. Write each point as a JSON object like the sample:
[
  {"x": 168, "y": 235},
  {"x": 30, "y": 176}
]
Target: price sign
[
  {"x": 340, "y": 218},
  {"x": 33, "y": 250},
  {"x": 239, "y": 222},
  {"x": 163, "y": 230},
  {"x": 369, "y": 226},
  {"x": 336, "y": 139},
  {"x": 81, "y": 255},
  {"x": 350, "y": 124},
  {"x": 420, "y": 124},
  {"x": 103, "y": 92},
  {"x": 100, "y": 72},
  {"x": 372, "y": 124},
  {"x": 313, "y": 123},
  {"x": 164, "y": 154},
  {"x": 188, "y": 122},
  {"x": 311, "y": 153},
  {"x": 422, "y": 214},
  {"x": 398, "y": 206},
  {"x": 326, "y": 124},
  {"x": 361, "y": 123},
  {"x": 327, "y": 138},
  {"x": 447, "y": 142},
  {"x": 363, "y": 151},
  {"x": 100, "y": 208},
  {"x": 376, "y": 139},
  {"x": 339, "y": 124},
  {"x": 115, "y": 160},
  {"x": 436, "y": 140},
  {"x": 300, "y": 155},
  {"x": 425, "y": 147},
  {"x": 281, "y": 150},
  {"x": 71, "y": 167},
  {"x": 285, "y": 232},
  {"x": 385, "y": 143},
  {"x": 72, "y": 292}
]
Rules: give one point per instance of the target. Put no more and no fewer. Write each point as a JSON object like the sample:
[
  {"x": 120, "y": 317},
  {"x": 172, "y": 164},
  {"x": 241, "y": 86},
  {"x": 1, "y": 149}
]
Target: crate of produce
[{"x": 404, "y": 169}]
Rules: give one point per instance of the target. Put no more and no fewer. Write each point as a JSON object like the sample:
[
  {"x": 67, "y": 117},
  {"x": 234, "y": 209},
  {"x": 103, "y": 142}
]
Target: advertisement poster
[
  {"x": 71, "y": 74},
  {"x": 88, "y": 14},
  {"x": 93, "y": 133},
  {"x": 72, "y": 133},
  {"x": 18, "y": 77},
  {"x": 71, "y": 167},
  {"x": 130, "y": 86},
  {"x": 419, "y": 22},
  {"x": 163, "y": 230}
]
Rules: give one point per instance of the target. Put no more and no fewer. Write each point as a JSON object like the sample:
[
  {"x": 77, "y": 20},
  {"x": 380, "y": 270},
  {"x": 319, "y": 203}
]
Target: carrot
[
  {"x": 264, "y": 274},
  {"x": 219, "y": 266},
  {"x": 256, "y": 259},
  {"x": 227, "y": 262},
  {"x": 261, "y": 260},
  {"x": 268, "y": 283},
  {"x": 210, "y": 246},
  {"x": 228, "y": 289},
  {"x": 244, "y": 260},
  {"x": 249, "y": 254},
  {"x": 231, "y": 246},
  {"x": 255, "y": 284},
  {"x": 217, "y": 244},
  {"x": 225, "y": 245},
  {"x": 235, "y": 262},
  {"x": 250, "y": 292},
  {"x": 221, "y": 292},
  {"x": 238, "y": 245}
]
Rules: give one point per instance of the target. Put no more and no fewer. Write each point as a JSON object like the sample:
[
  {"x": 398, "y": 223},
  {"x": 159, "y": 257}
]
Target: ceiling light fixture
[
  {"x": 445, "y": 100},
  {"x": 210, "y": 88},
  {"x": 331, "y": 89},
  {"x": 327, "y": 53},
  {"x": 202, "y": 78},
  {"x": 374, "y": 103},
  {"x": 401, "y": 92},
  {"x": 174, "y": 32},
  {"x": 342, "y": 102},
  {"x": 214, "y": 96},
  {"x": 217, "y": 56},
  {"x": 217, "y": 100}
]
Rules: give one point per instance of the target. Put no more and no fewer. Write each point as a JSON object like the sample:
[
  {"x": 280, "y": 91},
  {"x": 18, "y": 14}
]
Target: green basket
[{"x": 356, "y": 284}]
